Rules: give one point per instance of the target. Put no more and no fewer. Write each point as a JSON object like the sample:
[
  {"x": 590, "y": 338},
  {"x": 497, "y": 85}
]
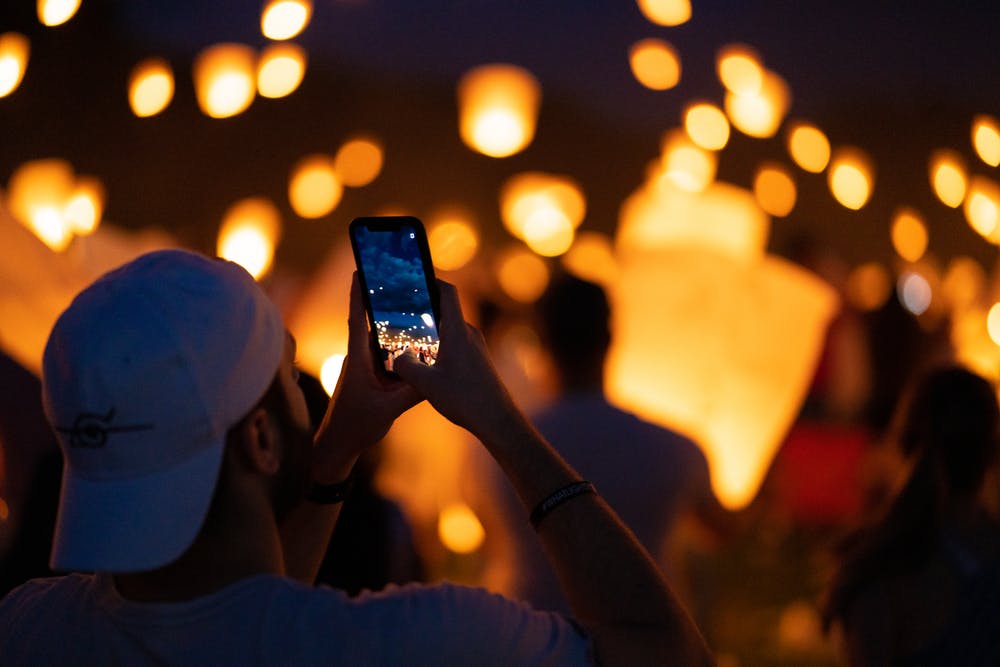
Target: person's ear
[{"x": 261, "y": 442}]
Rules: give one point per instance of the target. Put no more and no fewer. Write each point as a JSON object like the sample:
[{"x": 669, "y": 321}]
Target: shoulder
[{"x": 37, "y": 610}]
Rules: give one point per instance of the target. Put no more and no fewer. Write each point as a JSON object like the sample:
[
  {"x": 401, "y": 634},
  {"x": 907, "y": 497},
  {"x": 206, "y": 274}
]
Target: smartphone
[{"x": 399, "y": 289}]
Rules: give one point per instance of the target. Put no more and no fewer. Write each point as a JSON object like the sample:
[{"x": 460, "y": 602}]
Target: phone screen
[{"x": 396, "y": 277}]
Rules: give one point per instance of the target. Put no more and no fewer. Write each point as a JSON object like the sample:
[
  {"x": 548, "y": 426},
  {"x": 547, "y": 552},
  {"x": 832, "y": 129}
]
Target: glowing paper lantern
[
  {"x": 284, "y": 19},
  {"x": 993, "y": 323},
  {"x": 655, "y": 64},
  {"x": 707, "y": 126},
  {"x": 37, "y": 193},
  {"x": 809, "y": 147},
  {"x": 666, "y": 12},
  {"x": 280, "y": 70},
  {"x": 739, "y": 69},
  {"x": 974, "y": 347},
  {"x": 249, "y": 231},
  {"x": 774, "y": 189},
  {"x": 963, "y": 283},
  {"x": 329, "y": 374},
  {"x": 542, "y": 209},
  {"x": 14, "y": 50},
  {"x": 459, "y": 529},
  {"x": 986, "y": 139},
  {"x": 711, "y": 336},
  {"x": 948, "y": 177},
  {"x": 914, "y": 292},
  {"x": 452, "y": 239},
  {"x": 909, "y": 234},
  {"x": 592, "y": 257},
  {"x": 868, "y": 286},
  {"x": 684, "y": 164},
  {"x": 56, "y": 12},
  {"x": 759, "y": 114},
  {"x": 85, "y": 206},
  {"x": 359, "y": 161},
  {"x": 225, "y": 79},
  {"x": 150, "y": 87},
  {"x": 498, "y": 109},
  {"x": 315, "y": 188},
  {"x": 982, "y": 207},
  {"x": 522, "y": 275},
  {"x": 851, "y": 177}
]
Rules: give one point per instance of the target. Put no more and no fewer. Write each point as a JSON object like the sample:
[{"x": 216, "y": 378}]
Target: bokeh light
[
  {"x": 759, "y": 114},
  {"x": 225, "y": 79},
  {"x": 498, "y": 109},
  {"x": 452, "y": 239},
  {"x": 248, "y": 234},
  {"x": 774, "y": 189},
  {"x": 150, "y": 87},
  {"x": 948, "y": 177},
  {"x": 314, "y": 189},
  {"x": 914, "y": 292},
  {"x": 56, "y": 12},
  {"x": 522, "y": 275},
  {"x": 459, "y": 529},
  {"x": 868, "y": 287},
  {"x": 280, "y": 70},
  {"x": 993, "y": 323},
  {"x": 707, "y": 126},
  {"x": 359, "y": 161},
  {"x": 739, "y": 69},
  {"x": 964, "y": 282},
  {"x": 982, "y": 207},
  {"x": 37, "y": 193},
  {"x": 666, "y": 12},
  {"x": 809, "y": 147},
  {"x": 85, "y": 206},
  {"x": 284, "y": 19},
  {"x": 542, "y": 206},
  {"x": 329, "y": 373},
  {"x": 851, "y": 177},
  {"x": 14, "y": 51},
  {"x": 684, "y": 164},
  {"x": 909, "y": 234},
  {"x": 655, "y": 64},
  {"x": 986, "y": 139},
  {"x": 592, "y": 257}
]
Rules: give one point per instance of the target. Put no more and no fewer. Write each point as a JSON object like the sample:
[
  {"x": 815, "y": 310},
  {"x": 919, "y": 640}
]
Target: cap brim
[{"x": 137, "y": 524}]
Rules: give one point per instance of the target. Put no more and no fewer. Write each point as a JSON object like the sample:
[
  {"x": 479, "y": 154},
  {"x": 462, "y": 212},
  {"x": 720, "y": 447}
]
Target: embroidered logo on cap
[{"x": 91, "y": 431}]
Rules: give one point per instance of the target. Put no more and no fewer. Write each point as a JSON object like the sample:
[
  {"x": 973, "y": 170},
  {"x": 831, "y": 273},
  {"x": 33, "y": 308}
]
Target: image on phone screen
[{"x": 394, "y": 276}]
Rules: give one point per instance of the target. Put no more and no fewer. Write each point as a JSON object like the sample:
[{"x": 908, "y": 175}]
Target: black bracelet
[
  {"x": 573, "y": 490},
  {"x": 330, "y": 494}
]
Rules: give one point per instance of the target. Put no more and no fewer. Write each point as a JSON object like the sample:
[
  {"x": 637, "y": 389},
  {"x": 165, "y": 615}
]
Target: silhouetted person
[{"x": 921, "y": 585}]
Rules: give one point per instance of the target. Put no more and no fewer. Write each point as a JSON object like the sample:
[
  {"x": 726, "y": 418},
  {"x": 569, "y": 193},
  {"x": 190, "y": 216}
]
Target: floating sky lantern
[
  {"x": 909, "y": 234},
  {"x": 963, "y": 283},
  {"x": 982, "y": 207},
  {"x": 986, "y": 139},
  {"x": 973, "y": 343},
  {"x": 948, "y": 177},
  {"x": 150, "y": 87},
  {"x": 655, "y": 64},
  {"x": 869, "y": 286},
  {"x": 914, "y": 292},
  {"x": 56, "y": 12},
  {"x": 707, "y": 126},
  {"x": 498, "y": 109},
  {"x": 774, "y": 189},
  {"x": 459, "y": 529},
  {"x": 452, "y": 239},
  {"x": 666, "y": 12},
  {"x": 522, "y": 275},
  {"x": 592, "y": 257},
  {"x": 759, "y": 114},
  {"x": 809, "y": 147},
  {"x": 712, "y": 336},
  {"x": 851, "y": 177},
  {"x": 543, "y": 210},
  {"x": 85, "y": 206},
  {"x": 284, "y": 19},
  {"x": 248, "y": 234},
  {"x": 329, "y": 373},
  {"x": 993, "y": 323},
  {"x": 280, "y": 70},
  {"x": 315, "y": 189},
  {"x": 359, "y": 161},
  {"x": 684, "y": 164},
  {"x": 14, "y": 51},
  {"x": 739, "y": 69},
  {"x": 37, "y": 193},
  {"x": 225, "y": 79}
]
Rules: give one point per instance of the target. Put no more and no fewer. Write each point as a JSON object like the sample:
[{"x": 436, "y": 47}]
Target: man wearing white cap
[{"x": 195, "y": 495}]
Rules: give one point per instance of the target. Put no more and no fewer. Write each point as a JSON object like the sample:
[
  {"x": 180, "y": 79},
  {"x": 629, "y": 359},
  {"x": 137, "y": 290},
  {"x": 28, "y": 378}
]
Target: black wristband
[
  {"x": 569, "y": 492},
  {"x": 330, "y": 494}
]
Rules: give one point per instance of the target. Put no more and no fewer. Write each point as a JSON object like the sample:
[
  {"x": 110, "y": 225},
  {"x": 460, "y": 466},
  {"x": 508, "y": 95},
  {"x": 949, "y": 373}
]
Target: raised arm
[{"x": 614, "y": 587}]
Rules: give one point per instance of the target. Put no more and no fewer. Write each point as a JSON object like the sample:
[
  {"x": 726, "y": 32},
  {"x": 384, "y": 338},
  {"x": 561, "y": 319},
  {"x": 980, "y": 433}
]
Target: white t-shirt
[{"x": 271, "y": 620}]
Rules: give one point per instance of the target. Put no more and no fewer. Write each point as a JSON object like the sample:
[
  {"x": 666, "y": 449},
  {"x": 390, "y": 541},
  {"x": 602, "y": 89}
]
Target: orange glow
[
  {"x": 85, "y": 206},
  {"x": 684, "y": 164},
  {"x": 14, "y": 51},
  {"x": 452, "y": 239},
  {"x": 655, "y": 64},
  {"x": 37, "y": 193},
  {"x": 809, "y": 147},
  {"x": 974, "y": 347},
  {"x": 542, "y": 207},
  {"x": 329, "y": 374},
  {"x": 459, "y": 529},
  {"x": 359, "y": 161},
  {"x": 666, "y": 12},
  {"x": 284, "y": 19},
  {"x": 948, "y": 177},
  {"x": 707, "y": 126},
  {"x": 56, "y": 12},
  {"x": 982, "y": 207},
  {"x": 760, "y": 114},
  {"x": 869, "y": 286},
  {"x": 280, "y": 70},
  {"x": 249, "y": 231},
  {"x": 851, "y": 177},
  {"x": 774, "y": 189},
  {"x": 739, "y": 69},
  {"x": 909, "y": 234},
  {"x": 548, "y": 232},
  {"x": 964, "y": 282},
  {"x": 225, "y": 79},
  {"x": 993, "y": 323},
  {"x": 986, "y": 139},
  {"x": 498, "y": 109},
  {"x": 914, "y": 292},
  {"x": 150, "y": 87},
  {"x": 592, "y": 257},
  {"x": 522, "y": 275},
  {"x": 315, "y": 188}
]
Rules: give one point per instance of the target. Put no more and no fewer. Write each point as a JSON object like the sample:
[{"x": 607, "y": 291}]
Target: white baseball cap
[{"x": 143, "y": 375}]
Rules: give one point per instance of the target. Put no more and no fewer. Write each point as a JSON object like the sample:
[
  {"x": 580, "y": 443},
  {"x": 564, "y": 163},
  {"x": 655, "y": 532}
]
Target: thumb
[{"x": 413, "y": 371}]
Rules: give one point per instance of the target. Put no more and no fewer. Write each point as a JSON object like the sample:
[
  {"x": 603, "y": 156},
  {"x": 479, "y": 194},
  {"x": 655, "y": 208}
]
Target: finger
[
  {"x": 452, "y": 320},
  {"x": 412, "y": 370},
  {"x": 357, "y": 321}
]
